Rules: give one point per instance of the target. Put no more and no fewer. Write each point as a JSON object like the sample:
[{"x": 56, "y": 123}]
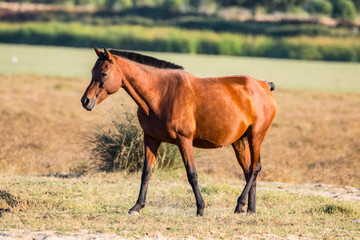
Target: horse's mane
[{"x": 143, "y": 59}]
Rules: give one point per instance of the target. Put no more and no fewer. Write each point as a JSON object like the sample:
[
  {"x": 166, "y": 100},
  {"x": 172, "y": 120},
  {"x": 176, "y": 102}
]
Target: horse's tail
[{"x": 271, "y": 86}]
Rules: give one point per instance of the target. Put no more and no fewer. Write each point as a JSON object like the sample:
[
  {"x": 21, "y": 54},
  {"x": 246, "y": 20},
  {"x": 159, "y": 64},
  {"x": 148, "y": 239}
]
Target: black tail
[{"x": 271, "y": 86}]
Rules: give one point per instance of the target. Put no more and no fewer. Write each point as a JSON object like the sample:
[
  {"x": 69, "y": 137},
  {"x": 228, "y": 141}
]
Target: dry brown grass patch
[{"x": 315, "y": 136}]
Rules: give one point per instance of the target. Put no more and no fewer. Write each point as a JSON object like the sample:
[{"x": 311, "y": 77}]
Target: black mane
[{"x": 143, "y": 59}]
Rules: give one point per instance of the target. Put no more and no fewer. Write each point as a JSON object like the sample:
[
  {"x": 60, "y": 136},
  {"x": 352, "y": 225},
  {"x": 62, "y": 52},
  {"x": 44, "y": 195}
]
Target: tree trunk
[
  {"x": 256, "y": 10},
  {"x": 20, "y": 6}
]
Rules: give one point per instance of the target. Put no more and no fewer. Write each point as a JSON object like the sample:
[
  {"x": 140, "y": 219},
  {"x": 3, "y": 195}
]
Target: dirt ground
[{"x": 314, "y": 138}]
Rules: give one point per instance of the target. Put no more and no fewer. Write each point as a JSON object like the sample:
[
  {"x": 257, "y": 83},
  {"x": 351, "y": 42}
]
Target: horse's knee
[{"x": 192, "y": 177}]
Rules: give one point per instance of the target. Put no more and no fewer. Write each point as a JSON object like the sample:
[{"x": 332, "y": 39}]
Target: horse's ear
[
  {"x": 98, "y": 51},
  {"x": 108, "y": 55}
]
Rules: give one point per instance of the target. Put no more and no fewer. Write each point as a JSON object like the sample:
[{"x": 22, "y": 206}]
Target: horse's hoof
[
  {"x": 131, "y": 212},
  {"x": 241, "y": 211}
]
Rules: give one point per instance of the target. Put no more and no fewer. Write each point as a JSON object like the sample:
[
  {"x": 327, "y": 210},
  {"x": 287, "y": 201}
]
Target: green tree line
[
  {"x": 168, "y": 39},
  {"x": 343, "y": 9}
]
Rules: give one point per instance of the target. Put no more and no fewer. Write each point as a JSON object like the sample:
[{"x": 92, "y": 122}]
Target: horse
[{"x": 178, "y": 108}]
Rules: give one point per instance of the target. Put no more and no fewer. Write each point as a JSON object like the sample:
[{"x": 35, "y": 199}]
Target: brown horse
[{"x": 179, "y": 108}]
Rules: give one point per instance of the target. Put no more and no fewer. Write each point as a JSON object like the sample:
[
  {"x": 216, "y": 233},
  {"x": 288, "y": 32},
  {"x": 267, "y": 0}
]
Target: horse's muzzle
[{"x": 87, "y": 103}]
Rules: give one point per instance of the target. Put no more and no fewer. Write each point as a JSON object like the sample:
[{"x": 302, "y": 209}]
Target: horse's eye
[{"x": 103, "y": 74}]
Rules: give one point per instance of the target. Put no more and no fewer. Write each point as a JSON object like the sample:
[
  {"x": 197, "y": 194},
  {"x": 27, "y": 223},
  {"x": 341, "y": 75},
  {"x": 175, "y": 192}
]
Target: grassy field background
[
  {"x": 294, "y": 74},
  {"x": 314, "y": 139}
]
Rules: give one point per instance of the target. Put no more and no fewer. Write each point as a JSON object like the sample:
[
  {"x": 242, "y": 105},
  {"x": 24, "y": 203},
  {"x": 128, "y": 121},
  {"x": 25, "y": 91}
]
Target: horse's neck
[{"x": 140, "y": 84}]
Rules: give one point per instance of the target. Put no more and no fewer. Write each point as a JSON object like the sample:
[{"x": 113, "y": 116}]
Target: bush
[
  {"x": 344, "y": 9},
  {"x": 305, "y": 51},
  {"x": 339, "y": 53},
  {"x": 174, "y": 6},
  {"x": 231, "y": 46},
  {"x": 168, "y": 39},
  {"x": 117, "y": 4},
  {"x": 121, "y": 148},
  {"x": 319, "y": 6}
]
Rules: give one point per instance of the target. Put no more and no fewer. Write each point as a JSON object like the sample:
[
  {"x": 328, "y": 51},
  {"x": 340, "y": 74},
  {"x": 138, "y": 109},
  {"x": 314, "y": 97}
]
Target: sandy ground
[
  {"x": 87, "y": 235},
  {"x": 343, "y": 193}
]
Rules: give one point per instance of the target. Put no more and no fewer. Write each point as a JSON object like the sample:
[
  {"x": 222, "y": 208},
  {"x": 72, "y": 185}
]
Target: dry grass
[
  {"x": 315, "y": 136},
  {"x": 42, "y": 124},
  {"x": 101, "y": 202}
]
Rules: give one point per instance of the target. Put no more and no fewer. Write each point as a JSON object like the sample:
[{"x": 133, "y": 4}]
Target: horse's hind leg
[
  {"x": 247, "y": 150},
  {"x": 150, "y": 147},
  {"x": 242, "y": 153},
  {"x": 252, "y": 193}
]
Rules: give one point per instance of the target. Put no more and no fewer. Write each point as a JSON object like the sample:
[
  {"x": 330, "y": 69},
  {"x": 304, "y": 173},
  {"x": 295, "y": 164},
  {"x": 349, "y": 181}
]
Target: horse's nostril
[{"x": 86, "y": 101}]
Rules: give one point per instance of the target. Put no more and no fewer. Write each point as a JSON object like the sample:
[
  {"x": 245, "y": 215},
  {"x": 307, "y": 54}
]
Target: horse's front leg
[
  {"x": 150, "y": 147},
  {"x": 187, "y": 153}
]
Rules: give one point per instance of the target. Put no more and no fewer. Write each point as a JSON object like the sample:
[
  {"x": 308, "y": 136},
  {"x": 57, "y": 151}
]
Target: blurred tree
[
  {"x": 174, "y": 5},
  {"x": 226, "y": 3},
  {"x": 195, "y": 3},
  {"x": 88, "y": 2},
  {"x": 344, "y": 10},
  {"x": 20, "y": 5},
  {"x": 319, "y": 6},
  {"x": 269, "y": 5},
  {"x": 256, "y": 4},
  {"x": 283, "y": 5},
  {"x": 117, "y": 4},
  {"x": 357, "y": 4},
  {"x": 147, "y": 3},
  {"x": 210, "y": 6},
  {"x": 109, "y": 4}
]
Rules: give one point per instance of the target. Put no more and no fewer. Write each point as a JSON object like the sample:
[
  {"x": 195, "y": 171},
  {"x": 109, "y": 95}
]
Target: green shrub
[
  {"x": 338, "y": 53},
  {"x": 335, "y": 208},
  {"x": 230, "y": 45},
  {"x": 121, "y": 148},
  {"x": 357, "y": 53},
  {"x": 319, "y": 6},
  {"x": 174, "y": 5},
  {"x": 304, "y": 51},
  {"x": 117, "y": 4},
  {"x": 344, "y": 9},
  {"x": 168, "y": 39},
  {"x": 208, "y": 46}
]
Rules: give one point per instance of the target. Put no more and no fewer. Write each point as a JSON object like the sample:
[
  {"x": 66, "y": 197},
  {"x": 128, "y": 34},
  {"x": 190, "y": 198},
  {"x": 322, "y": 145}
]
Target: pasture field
[
  {"x": 294, "y": 74},
  {"x": 99, "y": 204},
  {"x": 314, "y": 140}
]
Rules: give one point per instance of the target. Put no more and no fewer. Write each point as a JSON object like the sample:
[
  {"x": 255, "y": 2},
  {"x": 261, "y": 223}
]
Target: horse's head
[{"x": 106, "y": 80}]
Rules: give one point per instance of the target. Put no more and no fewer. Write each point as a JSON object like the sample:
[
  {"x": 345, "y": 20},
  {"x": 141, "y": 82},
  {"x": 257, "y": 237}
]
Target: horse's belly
[
  {"x": 202, "y": 143},
  {"x": 211, "y": 134}
]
